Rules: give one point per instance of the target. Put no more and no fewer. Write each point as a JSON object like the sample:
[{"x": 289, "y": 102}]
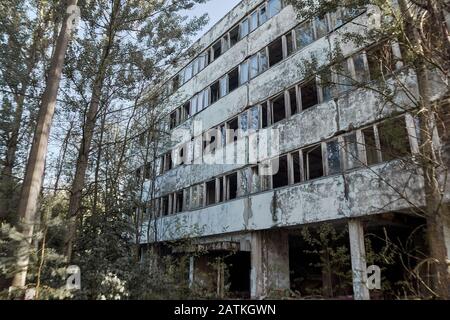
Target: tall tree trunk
[
  {"x": 88, "y": 133},
  {"x": 36, "y": 162}
]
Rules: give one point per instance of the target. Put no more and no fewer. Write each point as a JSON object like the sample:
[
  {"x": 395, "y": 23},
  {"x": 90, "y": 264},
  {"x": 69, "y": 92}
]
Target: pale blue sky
[{"x": 216, "y": 9}]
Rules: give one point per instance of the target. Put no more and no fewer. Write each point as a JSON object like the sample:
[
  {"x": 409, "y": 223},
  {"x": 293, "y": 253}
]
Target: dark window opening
[
  {"x": 275, "y": 52},
  {"x": 138, "y": 173},
  {"x": 293, "y": 101},
  {"x": 371, "y": 146},
  {"x": 264, "y": 115},
  {"x": 381, "y": 61},
  {"x": 278, "y": 109},
  {"x": 148, "y": 171},
  {"x": 221, "y": 192},
  {"x": 232, "y": 186},
  {"x": 313, "y": 163},
  {"x": 280, "y": 177},
  {"x": 211, "y": 192},
  {"x": 233, "y": 80},
  {"x": 179, "y": 202},
  {"x": 187, "y": 110},
  {"x": 297, "y": 176},
  {"x": 173, "y": 120},
  {"x": 233, "y": 127},
  {"x": 175, "y": 83},
  {"x": 215, "y": 92},
  {"x": 168, "y": 161},
  {"x": 165, "y": 206},
  {"x": 394, "y": 139},
  {"x": 234, "y": 35},
  {"x": 217, "y": 49},
  {"x": 309, "y": 95},
  {"x": 289, "y": 43}
]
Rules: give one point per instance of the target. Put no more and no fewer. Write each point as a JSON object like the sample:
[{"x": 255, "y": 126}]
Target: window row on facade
[
  {"x": 366, "y": 65},
  {"x": 260, "y": 15},
  {"x": 368, "y": 146},
  {"x": 294, "y": 40}
]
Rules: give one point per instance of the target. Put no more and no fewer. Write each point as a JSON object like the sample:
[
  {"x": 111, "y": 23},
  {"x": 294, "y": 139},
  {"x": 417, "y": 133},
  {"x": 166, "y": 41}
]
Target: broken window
[
  {"x": 232, "y": 184},
  {"x": 178, "y": 202},
  {"x": 187, "y": 110},
  {"x": 289, "y": 44},
  {"x": 215, "y": 92},
  {"x": 293, "y": 100},
  {"x": 173, "y": 120},
  {"x": 233, "y": 80},
  {"x": 321, "y": 26},
  {"x": 217, "y": 49},
  {"x": 351, "y": 152},
  {"x": 232, "y": 126},
  {"x": 264, "y": 115},
  {"x": 254, "y": 118},
  {"x": 254, "y": 67},
  {"x": 209, "y": 142},
  {"x": 381, "y": 61},
  {"x": 278, "y": 109},
  {"x": 165, "y": 205},
  {"x": 262, "y": 14},
  {"x": 394, "y": 139},
  {"x": 296, "y": 173},
  {"x": 234, "y": 36},
  {"x": 305, "y": 35},
  {"x": 309, "y": 94},
  {"x": 244, "y": 29},
  {"x": 255, "y": 180},
  {"x": 223, "y": 83},
  {"x": 360, "y": 68},
  {"x": 275, "y": 52},
  {"x": 280, "y": 177},
  {"x": 274, "y": 6},
  {"x": 243, "y": 73},
  {"x": 263, "y": 61},
  {"x": 370, "y": 146},
  {"x": 312, "y": 162},
  {"x": 221, "y": 190},
  {"x": 211, "y": 192},
  {"x": 334, "y": 157},
  {"x": 254, "y": 21}
]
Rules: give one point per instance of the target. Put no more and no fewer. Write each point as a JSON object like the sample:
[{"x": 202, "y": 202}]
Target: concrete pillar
[
  {"x": 270, "y": 262},
  {"x": 358, "y": 256},
  {"x": 191, "y": 271}
]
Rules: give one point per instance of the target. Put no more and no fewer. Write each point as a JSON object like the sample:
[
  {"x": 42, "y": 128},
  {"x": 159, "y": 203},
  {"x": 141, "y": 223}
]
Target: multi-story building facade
[{"x": 261, "y": 148}]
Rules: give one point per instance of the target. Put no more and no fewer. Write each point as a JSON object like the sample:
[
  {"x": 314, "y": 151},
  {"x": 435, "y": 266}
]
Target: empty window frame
[
  {"x": 253, "y": 20},
  {"x": 233, "y": 80},
  {"x": 221, "y": 188},
  {"x": 351, "y": 152},
  {"x": 232, "y": 185},
  {"x": 289, "y": 44},
  {"x": 394, "y": 139},
  {"x": 304, "y": 34},
  {"x": 186, "y": 110},
  {"x": 174, "y": 119},
  {"x": 343, "y": 76},
  {"x": 275, "y": 52},
  {"x": 361, "y": 74},
  {"x": 280, "y": 172},
  {"x": 313, "y": 162},
  {"x": 308, "y": 94},
  {"x": 254, "y": 66},
  {"x": 232, "y": 130},
  {"x": 167, "y": 161},
  {"x": 216, "y": 50},
  {"x": 262, "y": 14},
  {"x": 254, "y": 118},
  {"x": 211, "y": 192},
  {"x": 334, "y": 165},
  {"x": 178, "y": 202},
  {"x": 234, "y": 36},
  {"x": 210, "y": 141},
  {"x": 165, "y": 203},
  {"x": 175, "y": 83},
  {"x": 295, "y": 167},
  {"x": 381, "y": 61},
  {"x": 278, "y": 108},
  {"x": 321, "y": 26},
  {"x": 148, "y": 171},
  {"x": 371, "y": 146},
  {"x": 326, "y": 86},
  {"x": 223, "y": 84},
  {"x": 215, "y": 92},
  {"x": 293, "y": 101}
]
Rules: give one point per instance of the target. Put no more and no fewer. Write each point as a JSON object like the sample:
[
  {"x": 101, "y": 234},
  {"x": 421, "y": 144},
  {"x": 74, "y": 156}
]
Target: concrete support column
[
  {"x": 270, "y": 262},
  {"x": 358, "y": 256},
  {"x": 191, "y": 271}
]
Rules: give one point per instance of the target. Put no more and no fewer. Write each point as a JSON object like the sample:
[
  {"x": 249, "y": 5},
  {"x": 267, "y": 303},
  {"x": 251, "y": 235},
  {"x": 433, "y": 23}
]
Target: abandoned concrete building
[{"x": 336, "y": 160}]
